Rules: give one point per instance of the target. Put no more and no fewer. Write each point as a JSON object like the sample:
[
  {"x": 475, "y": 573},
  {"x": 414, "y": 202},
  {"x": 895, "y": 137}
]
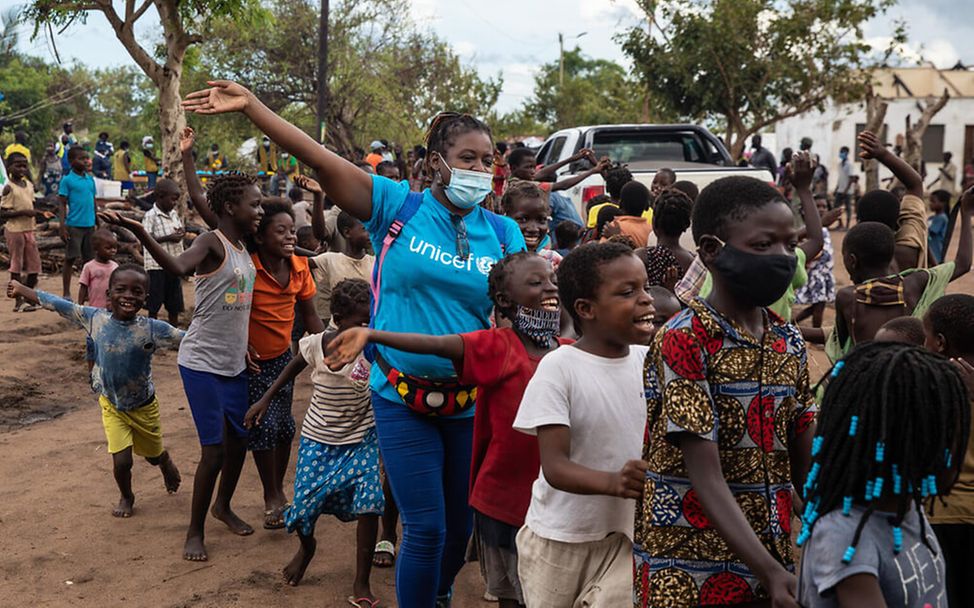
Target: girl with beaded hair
[{"x": 892, "y": 432}]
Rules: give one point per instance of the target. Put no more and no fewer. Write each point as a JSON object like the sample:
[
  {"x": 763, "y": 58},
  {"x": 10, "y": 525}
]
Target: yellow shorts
[{"x": 139, "y": 428}]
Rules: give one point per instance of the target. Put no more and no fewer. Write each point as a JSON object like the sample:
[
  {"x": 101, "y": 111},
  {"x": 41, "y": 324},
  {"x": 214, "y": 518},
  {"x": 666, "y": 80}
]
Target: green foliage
[
  {"x": 595, "y": 91},
  {"x": 748, "y": 64},
  {"x": 31, "y": 90}
]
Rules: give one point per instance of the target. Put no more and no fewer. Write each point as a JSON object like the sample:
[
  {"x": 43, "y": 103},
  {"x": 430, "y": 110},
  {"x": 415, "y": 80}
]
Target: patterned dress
[
  {"x": 707, "y": 376},
  {"x": 821, "y": 281}
]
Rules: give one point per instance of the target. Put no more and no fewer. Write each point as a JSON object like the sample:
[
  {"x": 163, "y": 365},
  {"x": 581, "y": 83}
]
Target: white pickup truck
[{"x": 693, "y": 152}]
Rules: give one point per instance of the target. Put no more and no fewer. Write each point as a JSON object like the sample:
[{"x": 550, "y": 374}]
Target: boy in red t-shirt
[{"x": 500, "y": 362}]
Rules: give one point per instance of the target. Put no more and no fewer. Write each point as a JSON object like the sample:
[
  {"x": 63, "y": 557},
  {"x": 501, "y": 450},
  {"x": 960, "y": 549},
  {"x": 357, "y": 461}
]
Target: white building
[{"x": 951, "y": 130}]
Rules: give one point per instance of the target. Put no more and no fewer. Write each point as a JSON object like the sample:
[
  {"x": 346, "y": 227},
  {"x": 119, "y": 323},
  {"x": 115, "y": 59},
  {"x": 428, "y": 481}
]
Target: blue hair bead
[
  {"x": 925, "y": 487},
  {"x": 853, "y": 425},
  {"x": 897, "y": 481},
  {"x": 817, "y": 445},
  {"x": 850, "y": 552},
  {"x": 897, "y": 539},
  {"x": 880, "y": 451},
  {"x": 847, "y": 505},
  {"x": 878, "y": 487},
  {"x": 932, "y": 485},
  {"x": 837, "y": 368},
  {"x": 947, "y": 458},
  {"x": 869, "y": 490},
  {"x": 803, "y": 536}
]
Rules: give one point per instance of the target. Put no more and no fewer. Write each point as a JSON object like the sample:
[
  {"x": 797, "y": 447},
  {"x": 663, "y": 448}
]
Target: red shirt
[
  {"x": 505, "y": 463},
  {"x": 272, "y": 311}
]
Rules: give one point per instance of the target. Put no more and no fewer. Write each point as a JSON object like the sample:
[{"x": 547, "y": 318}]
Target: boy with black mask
[{"x": 730, "y": 416}]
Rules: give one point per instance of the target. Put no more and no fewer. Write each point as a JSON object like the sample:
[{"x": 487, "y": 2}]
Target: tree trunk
[
  {"x": 172, "y": 120},
  {"x": 875, "y": 116},
  {"x": 913, "y": 148}
]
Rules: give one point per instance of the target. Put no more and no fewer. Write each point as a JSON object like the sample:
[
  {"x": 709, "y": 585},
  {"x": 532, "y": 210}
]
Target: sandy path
[{"x": 59, "y": 544}]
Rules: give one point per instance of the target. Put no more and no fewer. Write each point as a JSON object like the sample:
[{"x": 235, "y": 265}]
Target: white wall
[{"x": 836, "y": 127}]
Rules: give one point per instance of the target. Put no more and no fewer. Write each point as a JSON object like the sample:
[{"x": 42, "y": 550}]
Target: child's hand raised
[
  {"x": 870, "y": 147},
  {"x": 800, "y": 171},
  {"x": 223, "y": 96},
  {"x": 116, "y": 219},
  {"x": 346, "y": 347},
  {"x": 307, "y": 183},
  {"x": 629, "y": 482},
  {"x": 186, "y": 139}
]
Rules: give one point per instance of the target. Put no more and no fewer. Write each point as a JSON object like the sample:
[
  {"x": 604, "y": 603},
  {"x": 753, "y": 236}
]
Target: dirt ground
[{"x": 59, "y": 544}]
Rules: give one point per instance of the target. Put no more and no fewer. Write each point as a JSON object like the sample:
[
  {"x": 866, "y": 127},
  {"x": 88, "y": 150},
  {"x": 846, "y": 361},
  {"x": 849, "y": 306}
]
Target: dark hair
[
  {"x": 567, "y": 234},
  {"x": 501, "y": 272},
  {"x": 872, "y": 243},
  {"x": 942, "y": 196},
  {"x": 580, "y": 276},
  {"x": 227, "y": 188},
  {"x": 123, "y": 145},
  {"x": 616, "y": 176},
  {"x": 606, "y": 215},
  {"x": 295, "y": 194},
  {"x": 382, "y": 166},
  {"x": 129, "y": 267},
  {"x": 598, "y": 199},
  {"x": 879, "y": 206},
  {"x": 729, "y": 199},
  {"x": 302, "y": 232},
  {"x": 786, "y": 155},
  {"x": 105, "y": 133},
  {"x": 445, "y": 126},
  {"x": 167, "y": 182},
  {"x": 518, "y": 155},
  {"x": 345, "y": 221},
  {"x": 689, "y": 188},
  {"x": 364, "y": 166},
  {"x": 15, "y": 157},
  {"x": 910, "y": 328},
  {"x": 671, "y": 216},
  {"x": 953, "y": 317},
  {"x": 844, "y": 149},
  {"x": 74, "y": 152},
  {"x": 348, "y": 296},
  {"x": 892, "y": 413},
  {"x": 501, "y": 146},
  {"x": 519, "y": 190},
  {"x": 21, "y": 137},
  {"x": 634, "y": 199},
  {"x": 670, "y": 173}
]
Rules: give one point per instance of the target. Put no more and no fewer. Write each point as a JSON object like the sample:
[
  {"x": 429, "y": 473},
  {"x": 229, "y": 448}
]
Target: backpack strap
[{"x": 405, "y": 213}]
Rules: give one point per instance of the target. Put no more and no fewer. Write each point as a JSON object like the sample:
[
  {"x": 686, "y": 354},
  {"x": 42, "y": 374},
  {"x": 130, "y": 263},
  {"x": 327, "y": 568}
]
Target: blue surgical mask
[
  {"x": 843, "y": 155},
  {"x": 467, "y": 188}
]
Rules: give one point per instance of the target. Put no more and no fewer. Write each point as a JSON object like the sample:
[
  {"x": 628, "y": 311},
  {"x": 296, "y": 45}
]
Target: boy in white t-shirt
[{"x": 586, "y": 403}]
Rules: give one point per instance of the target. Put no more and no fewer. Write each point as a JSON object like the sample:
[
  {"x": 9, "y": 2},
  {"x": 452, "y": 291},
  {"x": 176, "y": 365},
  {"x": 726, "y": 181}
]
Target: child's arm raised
[
  {"x": 294, "y": 367},
  {"x": 317, "y": 207},
  {"x": 347, "y": 345},
  {"x": 871, "y": 148},
  {"x": 965, "y": 246},
  {"x": 197, "y": 197},
  {"x": 548, "y": 171},
  {"x": 555, "y": 443},
  {"x": 570, "y": 182},
  {"x": 185, "y": 263},
  {"x": 702, "y": 460},
  {"x": 801, "y": 178},
  {"x": 346, "y": 184}
]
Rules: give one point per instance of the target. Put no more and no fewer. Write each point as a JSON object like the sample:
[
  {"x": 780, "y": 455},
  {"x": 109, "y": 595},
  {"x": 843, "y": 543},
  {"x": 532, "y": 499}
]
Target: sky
[{"x": 513, "y": 37}]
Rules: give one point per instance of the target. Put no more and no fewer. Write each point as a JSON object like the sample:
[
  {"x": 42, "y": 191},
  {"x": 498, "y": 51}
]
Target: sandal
[
  {"x": 274, "y": 518},
  {"x": 363, "y": 602},
  {"x": 384, "y": 547}
]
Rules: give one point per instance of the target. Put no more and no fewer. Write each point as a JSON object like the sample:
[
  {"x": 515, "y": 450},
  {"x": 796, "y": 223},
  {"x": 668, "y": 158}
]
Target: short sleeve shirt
[
  {"x": 426, "y": 287},
  {"x": 95, "y": 276},
  {"x": 341, "y": 409},
  {"x": 706, "y": 376},
  {"x": 330, "y": 269},
  {"x": 913, "y": 227},
  {"x": 79, "y": 189},
  {"x": 20, "y": 198},
  {"x": 123, "y": 350},
  {"x": 505, "y": 463},
  {"x": 272, "y": 311}
]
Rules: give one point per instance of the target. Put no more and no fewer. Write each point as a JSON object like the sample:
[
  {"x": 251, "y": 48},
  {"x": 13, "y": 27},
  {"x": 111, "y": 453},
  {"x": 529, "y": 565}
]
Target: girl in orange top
[{"x": 283, "y": 279}]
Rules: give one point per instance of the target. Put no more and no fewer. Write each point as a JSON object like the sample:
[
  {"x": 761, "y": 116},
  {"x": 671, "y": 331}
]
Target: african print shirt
[{"x": 707, "y": 376}]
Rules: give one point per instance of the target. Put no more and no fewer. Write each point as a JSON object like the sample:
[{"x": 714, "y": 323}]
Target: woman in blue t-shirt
[{"x": 433, "y": 252}]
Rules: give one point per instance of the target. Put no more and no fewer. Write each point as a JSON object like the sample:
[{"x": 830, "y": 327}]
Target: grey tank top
[{"x": 216, "y": 341}]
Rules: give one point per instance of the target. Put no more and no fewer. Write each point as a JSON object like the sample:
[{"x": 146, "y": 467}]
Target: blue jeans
[{"x": 427, "y": 461}]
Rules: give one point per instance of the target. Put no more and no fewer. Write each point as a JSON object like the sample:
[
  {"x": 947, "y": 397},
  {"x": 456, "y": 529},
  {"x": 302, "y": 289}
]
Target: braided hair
[
  {"x": 894, "y": 418},
  {"x": 445, "y": 127},
  {"x": 227, "y": 188},
  {"x": 671, "y": 215},
  {"x": 349, "y": 297}
]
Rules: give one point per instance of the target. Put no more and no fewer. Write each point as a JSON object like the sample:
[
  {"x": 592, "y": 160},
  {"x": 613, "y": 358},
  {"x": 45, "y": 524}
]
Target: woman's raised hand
[{"x": 222, "y": 97}]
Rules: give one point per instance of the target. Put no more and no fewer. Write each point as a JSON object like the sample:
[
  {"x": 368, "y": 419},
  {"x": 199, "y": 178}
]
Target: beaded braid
[{"x": 894, "y": 417}]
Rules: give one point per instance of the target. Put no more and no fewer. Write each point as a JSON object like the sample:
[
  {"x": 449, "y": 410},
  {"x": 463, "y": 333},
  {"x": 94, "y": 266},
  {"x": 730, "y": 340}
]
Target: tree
[
  {"x": 875, "y": 116},
  {"x": 595, "y": 91},
  {"x": 184, "y": 23},
  {"x": 913, "y": 148},
  {"x": 386, "y": 76},
  {"x": 746, "y": 64}
]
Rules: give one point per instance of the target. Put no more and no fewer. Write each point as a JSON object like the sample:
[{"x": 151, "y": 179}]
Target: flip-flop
[
  {"x": 362, "y": 602},
  {"x": 386, "y": 547},
  {"x": 274, "y": 518}
]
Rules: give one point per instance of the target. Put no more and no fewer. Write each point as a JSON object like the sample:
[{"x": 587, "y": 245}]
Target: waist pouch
[{"x": 428, "y": 396}]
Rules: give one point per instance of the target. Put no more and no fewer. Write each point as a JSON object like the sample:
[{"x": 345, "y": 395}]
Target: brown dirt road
[{"x": 59, "y": 544}]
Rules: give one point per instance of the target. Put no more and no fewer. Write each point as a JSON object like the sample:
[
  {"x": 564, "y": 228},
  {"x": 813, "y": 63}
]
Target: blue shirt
[
  {"x": 426, "y": 288},
  {"x": 123, "y": 350},
  {"x": 80, "y": 192},
  {"x": 562, "y": 209},
  {"x": 936, "y": 233}
]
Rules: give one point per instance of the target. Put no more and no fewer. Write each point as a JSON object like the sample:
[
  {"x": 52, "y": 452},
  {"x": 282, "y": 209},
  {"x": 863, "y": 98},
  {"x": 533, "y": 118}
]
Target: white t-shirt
[
  {"x": 603, "y": 403},
  {"x": 302, "y": 214}
]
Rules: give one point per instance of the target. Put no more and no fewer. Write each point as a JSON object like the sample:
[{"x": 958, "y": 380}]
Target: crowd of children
[{"x": 593, "y": 412}]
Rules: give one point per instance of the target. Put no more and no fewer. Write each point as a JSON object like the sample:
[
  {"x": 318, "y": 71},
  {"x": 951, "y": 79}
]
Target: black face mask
[{"x": 759, "y": 280}]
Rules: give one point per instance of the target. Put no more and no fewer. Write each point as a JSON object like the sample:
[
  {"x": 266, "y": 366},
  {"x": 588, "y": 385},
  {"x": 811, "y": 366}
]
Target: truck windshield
[{"x": 649, "y": 147}]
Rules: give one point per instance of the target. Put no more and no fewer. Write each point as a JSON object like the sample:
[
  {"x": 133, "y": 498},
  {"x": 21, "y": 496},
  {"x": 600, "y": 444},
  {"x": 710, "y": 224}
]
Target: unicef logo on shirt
[{"x": 484, "y": 264}]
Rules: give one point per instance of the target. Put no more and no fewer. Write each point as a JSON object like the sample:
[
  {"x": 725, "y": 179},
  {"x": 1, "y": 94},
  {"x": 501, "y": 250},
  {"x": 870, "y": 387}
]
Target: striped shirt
[{"x": 341, "y": 409}]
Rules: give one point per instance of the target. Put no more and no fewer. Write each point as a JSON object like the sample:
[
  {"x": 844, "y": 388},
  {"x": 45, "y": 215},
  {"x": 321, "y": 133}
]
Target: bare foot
[
  {"x": 170, "y": 475},
  {"x": 294, "y": 572},
  {"x": 124, "y": 507},
  {"x": 194, "y": 550},
  {"x": 236, "y": 525}
]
